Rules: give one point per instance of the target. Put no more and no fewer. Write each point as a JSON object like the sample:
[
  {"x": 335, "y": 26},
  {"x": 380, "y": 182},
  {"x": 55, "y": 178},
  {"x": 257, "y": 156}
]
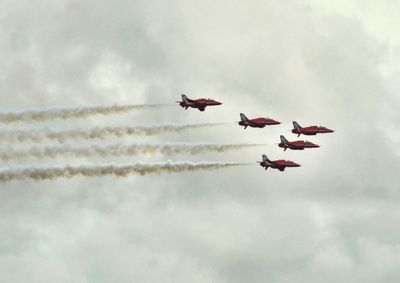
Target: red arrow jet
[
  {"x": 296, "y": 145},
  {"x": 256, "y": 123},
  {"x": 309, "y": 131},
  {"x": 277, "y": 164},
  {"x": 200, "y": 103}
]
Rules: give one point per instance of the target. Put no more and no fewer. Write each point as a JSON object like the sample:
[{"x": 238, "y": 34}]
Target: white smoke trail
[
  {"x": 96, "y": 133},
  {"x": 68, "y": 113},
  {"x": 118, "y": 150},
  {"x": 52, "y": 173}
]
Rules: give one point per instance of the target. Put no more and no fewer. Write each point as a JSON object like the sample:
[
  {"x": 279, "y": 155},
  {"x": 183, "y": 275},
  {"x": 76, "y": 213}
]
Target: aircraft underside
[{"x": 257, "y": 126}]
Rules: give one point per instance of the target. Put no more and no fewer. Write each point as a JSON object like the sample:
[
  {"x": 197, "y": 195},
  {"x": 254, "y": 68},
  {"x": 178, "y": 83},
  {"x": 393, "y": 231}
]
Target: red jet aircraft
[
  {"x": 200, "y": 104},
  {"x": 277, "y": 164},
  {"x": 309, "y": 131},
  {"x": 256, "y": 123},
  {"x": 296, "y": 145}
]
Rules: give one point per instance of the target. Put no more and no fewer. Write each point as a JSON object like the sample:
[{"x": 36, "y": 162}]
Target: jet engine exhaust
[
  {"x": 68, "y": 172},
  {"x": 97, "y": 133},
  {"x": 118, "y": 150},
  {"x": 70, "y": 113}
]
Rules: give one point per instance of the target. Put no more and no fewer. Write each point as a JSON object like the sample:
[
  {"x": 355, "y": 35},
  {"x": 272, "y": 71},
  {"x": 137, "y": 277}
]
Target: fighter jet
[
  {"x": 309, "y": 131},
  {"x": 257, "y": 122},
  {"x": 296, "y": 145},
  {"x": 276, "y": 164},
  {"x": 200, "y": 103}
]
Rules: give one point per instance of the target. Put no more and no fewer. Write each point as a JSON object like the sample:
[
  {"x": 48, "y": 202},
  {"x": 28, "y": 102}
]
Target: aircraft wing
[
  {"x": 296, "y": 146},
  {"x": 275, "y": 163},
  {"x": 196, "y": 102},
  {"x": 253, "y": 123}
]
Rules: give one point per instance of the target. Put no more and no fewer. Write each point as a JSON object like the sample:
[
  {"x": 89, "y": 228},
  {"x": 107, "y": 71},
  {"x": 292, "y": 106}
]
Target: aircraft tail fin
[
  {"x": 265, "y": 158},
  {"x": 243, "y": 117},
  {"x": 283, "y": 140},
  {"x": 184, "y": 98},
  {"x": 296, "y": 125}
]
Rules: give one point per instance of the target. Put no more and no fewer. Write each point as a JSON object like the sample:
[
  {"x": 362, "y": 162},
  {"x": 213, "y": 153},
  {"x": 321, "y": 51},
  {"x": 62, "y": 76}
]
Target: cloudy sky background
[{"x": 335, "y": 219}]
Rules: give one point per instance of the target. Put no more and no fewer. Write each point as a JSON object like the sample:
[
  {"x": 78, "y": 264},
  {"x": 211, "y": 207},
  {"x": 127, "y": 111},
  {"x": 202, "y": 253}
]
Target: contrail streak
[
  {"x": 118, "y": 150},
  {"x": 52, "y": 173},
  {"x": 68, "y": 113},
  {"x": 97, "y": 133}
]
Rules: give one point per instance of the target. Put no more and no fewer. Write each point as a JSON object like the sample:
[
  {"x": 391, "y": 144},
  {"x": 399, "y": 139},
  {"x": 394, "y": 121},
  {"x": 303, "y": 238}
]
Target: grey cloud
[{"x": 334, "y": 219}]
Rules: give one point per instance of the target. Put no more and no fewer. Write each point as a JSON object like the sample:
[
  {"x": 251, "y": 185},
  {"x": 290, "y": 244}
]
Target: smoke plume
[
  {"x": 96, "y": 133},
  {"x": 52, "y": 173},
  {"x": 118, "y": 150},
  {"x": 63, "y": 114}
]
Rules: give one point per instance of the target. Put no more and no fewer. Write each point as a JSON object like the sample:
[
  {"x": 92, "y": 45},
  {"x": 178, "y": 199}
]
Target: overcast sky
[{"x": 335, "y": 219}]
